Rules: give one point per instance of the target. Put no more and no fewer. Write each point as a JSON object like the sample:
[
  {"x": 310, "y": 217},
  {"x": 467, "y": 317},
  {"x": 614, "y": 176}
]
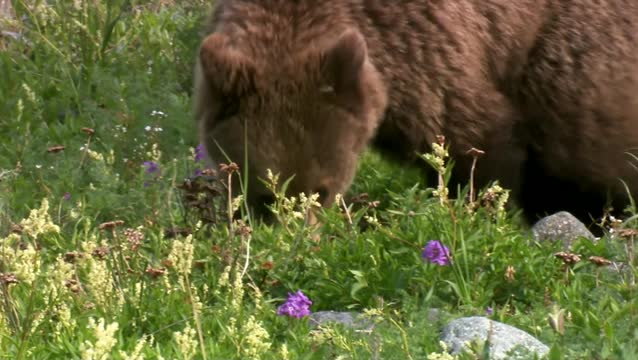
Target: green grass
[{"x": 73, "y": 287}]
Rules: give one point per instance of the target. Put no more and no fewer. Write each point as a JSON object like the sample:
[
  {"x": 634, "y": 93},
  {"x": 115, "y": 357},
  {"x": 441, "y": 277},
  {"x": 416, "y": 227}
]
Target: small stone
[
  {"x": 561, "y": 226},
  {"x": 506, "y": 342}
]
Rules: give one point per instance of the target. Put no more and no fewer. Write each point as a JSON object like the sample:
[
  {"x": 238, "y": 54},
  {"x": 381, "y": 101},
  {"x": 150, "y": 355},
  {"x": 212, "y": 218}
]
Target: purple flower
[
  {"x": 200, "y": 152},
  {"x": 489, "y": 310},
  {"x": 66, "y": 196},
  {"x": 297, "y": 305},
  {"x": 151, "y": 167},
  {"x": 437, "y": 253}
]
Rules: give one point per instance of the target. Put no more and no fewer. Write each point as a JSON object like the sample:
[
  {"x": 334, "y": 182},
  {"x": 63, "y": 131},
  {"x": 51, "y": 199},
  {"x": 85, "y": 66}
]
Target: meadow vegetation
[{"x": 108, "y": 252}]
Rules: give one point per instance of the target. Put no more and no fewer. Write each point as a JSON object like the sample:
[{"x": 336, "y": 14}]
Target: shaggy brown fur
[{"x": 547, "y": 88}]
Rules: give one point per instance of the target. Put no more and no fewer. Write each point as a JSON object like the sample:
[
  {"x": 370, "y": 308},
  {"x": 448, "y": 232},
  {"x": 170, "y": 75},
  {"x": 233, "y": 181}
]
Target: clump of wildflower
[
  {"x": 151, "y": 167},
  {"x": 181, "y": 258},
  {"x": 200, "y": 153},
  {"x": 443, "y": 355},
  {"x": 39, "y": 221},
  {"x": 63, "y": 318},
  {"x": 158, "y": 113},
  {"x": 110, "y": 157},
  {"x": 24, "y": 263},
  {"x": 30, "y": 94},
  {"x": 99, "y": 279},
  {"x": 223, "y": 280},
  {"x": 7, "y": 279},
  {"x": 297, "y": 305},
  {"x": 257, "y": 297},
  {"x": 438, "y": 156},
  {"x": 567, "y": 257},
  {"x": 66, "y": 196},
  {"x": 100, "y": 282},
  {"x": 283, "y": 352},
  {"x": 57, "y": 290},
  {"x": 110, "y": 225},
  {"x": 137, "y": 352},
  {"x": 371, "y": 313},
  {"x": 135, "y": 237},
  {"x": 290, "y": 208},
  {"x": 599, "y": 261},
  {"x": 372, "y": 220},
  {"x": 237, "y": 291},
  {"x": 186, "y": 342},
  {"x": 19, "y": 109},
  {"x": 273, "y": 179},
  {"x": 256, "y": 340},
  {"x": 329, "y": 334},
  {"x": 437, "y": 253},
  {"x": 76, "y": 210},
  {"x": 510, "y": 272},
  {"x": 56, "y": 149},
  {"x": 94, "y": 155},
  {"x": 237, "y": 201},
  {"x": 105, "y": 340},
  {"x": 155, "y": 154},
  {"x": 151, "y": 128},
  {"x": 494, "y": 199},
  {"x": 436, "y": 159},
  {"x": 155, "y": 272},
  {"x": 308, "y": 202}
]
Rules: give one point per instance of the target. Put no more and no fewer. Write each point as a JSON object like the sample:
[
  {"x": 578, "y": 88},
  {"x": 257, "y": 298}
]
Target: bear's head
[{"x": 306, "y": 114}]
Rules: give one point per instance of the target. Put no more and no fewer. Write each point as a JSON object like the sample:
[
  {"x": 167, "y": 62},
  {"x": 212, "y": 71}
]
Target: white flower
[{"x": 157, "y": 113}]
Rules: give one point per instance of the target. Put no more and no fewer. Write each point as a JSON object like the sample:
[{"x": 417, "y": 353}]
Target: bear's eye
[{"x": 229, "y": 107}]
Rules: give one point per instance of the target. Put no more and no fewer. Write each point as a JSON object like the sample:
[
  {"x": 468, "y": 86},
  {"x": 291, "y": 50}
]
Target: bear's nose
[
  {"x": 260, "y": 206},
  {"x": 265, "y": 200},
  {"x": 323, "y": 193}
]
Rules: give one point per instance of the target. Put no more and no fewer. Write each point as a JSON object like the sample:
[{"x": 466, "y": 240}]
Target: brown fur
[{"x": 548, "y": 88}]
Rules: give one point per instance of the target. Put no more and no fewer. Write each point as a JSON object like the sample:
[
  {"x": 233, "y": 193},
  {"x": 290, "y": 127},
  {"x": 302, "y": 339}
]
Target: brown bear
[{"x": 547, "y": 88}]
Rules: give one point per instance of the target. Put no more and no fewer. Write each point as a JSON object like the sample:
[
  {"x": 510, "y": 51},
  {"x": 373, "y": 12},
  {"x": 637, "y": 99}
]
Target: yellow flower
[
  {"x": 186, "y": 342},
  {"x": 105, "y": 340},
  {"x": 181, "y": 256},
  {"x": 39, "y": 221},
  {"x": 256, "y": 339}
]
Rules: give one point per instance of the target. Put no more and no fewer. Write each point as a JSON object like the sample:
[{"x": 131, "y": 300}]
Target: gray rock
[
  {"x": 506, "y": 342},
  {"x": 349, "y": 319},
  {"x": 620, "y": 272},
  {"x": 561, "y": 226}
]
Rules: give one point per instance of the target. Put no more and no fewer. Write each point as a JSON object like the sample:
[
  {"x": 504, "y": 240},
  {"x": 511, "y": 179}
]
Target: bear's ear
[
  {"x": 342, "y": 67},
  {"x": 227, "y": 70}
]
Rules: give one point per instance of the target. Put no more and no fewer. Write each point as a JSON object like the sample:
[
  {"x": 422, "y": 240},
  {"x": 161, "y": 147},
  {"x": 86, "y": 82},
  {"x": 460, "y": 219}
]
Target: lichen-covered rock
[
  {"x": 505, "y": 341},
  {"x": 561, "y": 226},
  {"x": 349, "y": 319}
]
